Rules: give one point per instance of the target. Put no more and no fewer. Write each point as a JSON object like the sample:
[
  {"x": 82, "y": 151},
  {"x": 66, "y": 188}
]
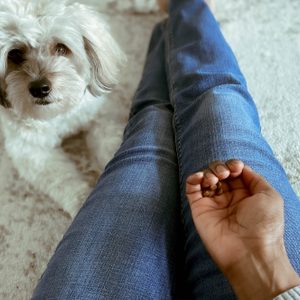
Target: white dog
[{"x": 57, "y": 63}]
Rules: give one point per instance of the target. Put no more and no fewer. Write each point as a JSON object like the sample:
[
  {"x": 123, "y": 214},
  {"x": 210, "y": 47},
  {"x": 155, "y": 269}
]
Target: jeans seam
[{"x": 176, "y": 124}]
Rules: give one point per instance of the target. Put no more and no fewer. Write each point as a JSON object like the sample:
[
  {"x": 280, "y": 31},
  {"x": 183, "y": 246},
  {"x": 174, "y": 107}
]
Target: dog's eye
[
  {"x": 16, "y": 56},
  {"x": 61, "y": 49}
]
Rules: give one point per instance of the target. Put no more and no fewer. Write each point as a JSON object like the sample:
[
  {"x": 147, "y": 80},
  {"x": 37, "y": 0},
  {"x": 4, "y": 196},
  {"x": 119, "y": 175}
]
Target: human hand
[
  {"x": 242, "y": 228},
  {"x": 247, "y": 216}
]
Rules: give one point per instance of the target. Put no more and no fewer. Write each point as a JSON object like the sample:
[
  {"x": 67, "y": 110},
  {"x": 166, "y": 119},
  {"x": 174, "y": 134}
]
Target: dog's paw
[
  {"x": 103, "y": 141},
  {"x": 108, "y": 150},
  {"x": 74, "y": 200}
]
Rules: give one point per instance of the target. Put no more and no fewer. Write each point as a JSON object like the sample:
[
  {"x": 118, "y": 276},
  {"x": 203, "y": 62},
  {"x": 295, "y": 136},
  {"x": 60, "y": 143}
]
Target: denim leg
[
  {"x": 215, "y": 118},
  {"x": 125, "y": 241}
]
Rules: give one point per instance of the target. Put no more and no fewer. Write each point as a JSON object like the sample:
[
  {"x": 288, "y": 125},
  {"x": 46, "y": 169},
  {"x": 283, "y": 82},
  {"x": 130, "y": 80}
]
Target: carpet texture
[{"x": 264, "y": 34}]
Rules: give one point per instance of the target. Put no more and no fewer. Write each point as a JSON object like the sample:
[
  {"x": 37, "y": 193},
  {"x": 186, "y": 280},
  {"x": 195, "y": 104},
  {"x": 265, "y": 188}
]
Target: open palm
[{"x": 246, "y": 216}]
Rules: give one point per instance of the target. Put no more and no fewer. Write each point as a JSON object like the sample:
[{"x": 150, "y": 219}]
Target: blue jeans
[{"x": 134, "y": 237}]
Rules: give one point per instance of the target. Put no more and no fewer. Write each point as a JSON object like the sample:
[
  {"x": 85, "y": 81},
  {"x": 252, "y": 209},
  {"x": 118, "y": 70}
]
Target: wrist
[{"x": 263, "y": 274}]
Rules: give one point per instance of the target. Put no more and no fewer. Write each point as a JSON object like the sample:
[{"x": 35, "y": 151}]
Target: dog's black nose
[{"x": 40, "y": 88}]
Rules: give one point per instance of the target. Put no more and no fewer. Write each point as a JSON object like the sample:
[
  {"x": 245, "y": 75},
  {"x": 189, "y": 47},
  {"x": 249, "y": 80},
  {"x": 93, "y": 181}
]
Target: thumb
[{"x": 255, "y": 182}]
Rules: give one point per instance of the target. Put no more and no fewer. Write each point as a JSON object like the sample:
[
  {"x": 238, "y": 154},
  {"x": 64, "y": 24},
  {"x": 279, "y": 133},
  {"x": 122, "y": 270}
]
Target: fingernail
[
  {"x": 221, "y": 169},
  {"x": 208, "y": 175}
]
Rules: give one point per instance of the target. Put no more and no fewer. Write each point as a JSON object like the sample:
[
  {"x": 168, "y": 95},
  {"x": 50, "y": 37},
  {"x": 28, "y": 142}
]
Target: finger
[
  {"x": 235, "y": 166},
  {"x": 193, "y": 183},
  {"x": 229, "y": 171},
  {"x": 220, "y": 169},
  {"x": 195, "y": 178},
  {"x": 209, "y": 178},
  {"x": 192, "y": 188}
]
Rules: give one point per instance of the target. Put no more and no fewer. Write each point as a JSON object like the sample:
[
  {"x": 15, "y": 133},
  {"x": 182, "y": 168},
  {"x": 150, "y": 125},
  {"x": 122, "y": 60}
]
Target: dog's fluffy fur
[{"x": 71, "y": 46}]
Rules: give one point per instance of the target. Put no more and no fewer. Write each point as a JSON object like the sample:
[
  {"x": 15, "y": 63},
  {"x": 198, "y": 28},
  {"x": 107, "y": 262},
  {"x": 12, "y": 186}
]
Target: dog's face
[{"x": 51, "y": 54}]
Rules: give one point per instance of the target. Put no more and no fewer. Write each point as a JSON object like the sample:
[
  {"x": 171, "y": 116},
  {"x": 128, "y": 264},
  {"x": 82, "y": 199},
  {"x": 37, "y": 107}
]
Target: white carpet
[{"x": 265, "y": 35}]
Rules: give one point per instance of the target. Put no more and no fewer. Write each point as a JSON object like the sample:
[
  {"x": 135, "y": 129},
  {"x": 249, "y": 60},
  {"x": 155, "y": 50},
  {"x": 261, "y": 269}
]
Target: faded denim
[{"x": 134, "y": 237}]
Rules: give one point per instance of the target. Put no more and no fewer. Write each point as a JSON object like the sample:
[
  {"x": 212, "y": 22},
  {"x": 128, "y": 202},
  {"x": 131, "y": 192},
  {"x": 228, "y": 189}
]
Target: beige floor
[{"x": 265, "y": 35}]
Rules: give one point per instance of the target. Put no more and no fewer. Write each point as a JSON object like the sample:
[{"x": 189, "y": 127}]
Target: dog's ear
[
  {"x": 104, "y": 54},
  {"x": 3, "y": 101},
  {"x": 3, "y": 54}
]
